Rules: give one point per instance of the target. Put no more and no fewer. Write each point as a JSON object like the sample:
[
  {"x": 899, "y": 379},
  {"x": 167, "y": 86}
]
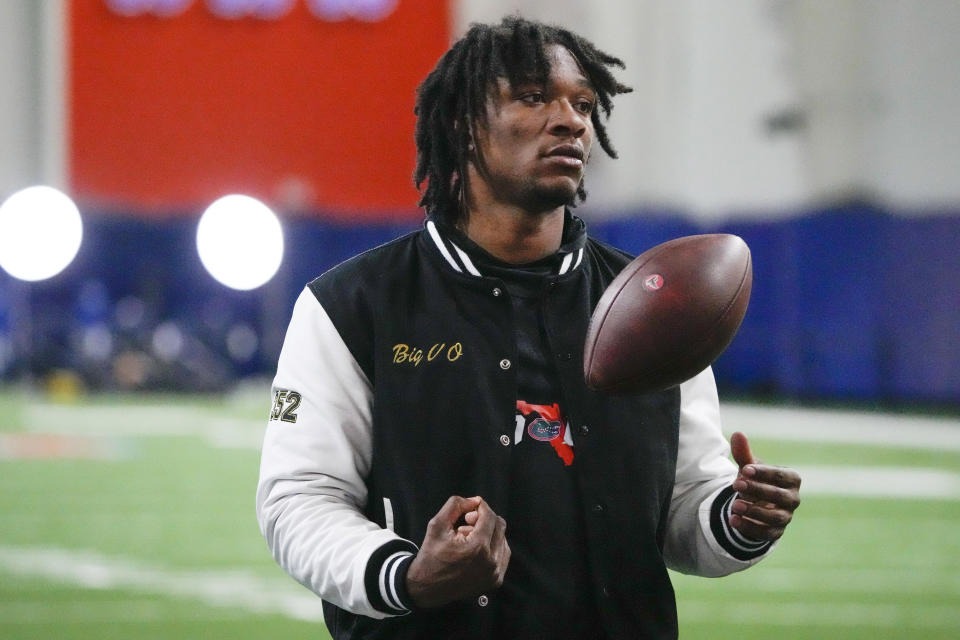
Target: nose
[{"x": 565, "y": 120}]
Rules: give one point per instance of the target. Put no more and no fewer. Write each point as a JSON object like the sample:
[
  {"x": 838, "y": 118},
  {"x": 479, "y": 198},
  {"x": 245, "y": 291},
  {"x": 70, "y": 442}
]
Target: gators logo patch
[
  {"x": 544, "y": 430},
  {"x": 545, "y": 423}
]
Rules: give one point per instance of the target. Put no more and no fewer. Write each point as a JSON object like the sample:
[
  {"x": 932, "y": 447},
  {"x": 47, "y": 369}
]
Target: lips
[
  {"x": 568, "y": 157},
  {"x": 567, "y": 151}
]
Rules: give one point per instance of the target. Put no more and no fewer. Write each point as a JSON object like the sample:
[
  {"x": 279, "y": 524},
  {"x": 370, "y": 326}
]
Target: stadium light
[
  {"x": 240, "y": 242},
  {"x": 40, "y": 233}
]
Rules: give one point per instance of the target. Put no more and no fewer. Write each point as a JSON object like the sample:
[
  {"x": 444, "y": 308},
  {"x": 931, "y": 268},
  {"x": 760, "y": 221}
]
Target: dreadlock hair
[{"x": 454, "y": 96}]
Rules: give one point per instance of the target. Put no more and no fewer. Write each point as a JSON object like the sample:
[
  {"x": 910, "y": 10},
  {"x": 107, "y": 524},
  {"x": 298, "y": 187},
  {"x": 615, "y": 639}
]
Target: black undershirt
[{"x": 547, "y": 592}]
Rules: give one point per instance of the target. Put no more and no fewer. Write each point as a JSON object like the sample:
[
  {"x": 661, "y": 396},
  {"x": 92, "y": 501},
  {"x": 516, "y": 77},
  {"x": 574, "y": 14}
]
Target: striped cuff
[
  {"x": 386, "y": 577},
  {"x": 732, "y": 541}
]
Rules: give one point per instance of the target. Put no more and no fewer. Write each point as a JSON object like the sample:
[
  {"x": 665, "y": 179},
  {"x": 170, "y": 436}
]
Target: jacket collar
[{"x": 463, "y": 255}]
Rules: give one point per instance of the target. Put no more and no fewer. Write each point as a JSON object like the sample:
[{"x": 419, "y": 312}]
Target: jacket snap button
[
  {"x": 496, "y": 292},
  {"x": 504, "y": 440},
  {"x": 584, "y": 429},
  {"x": 597, "y": 508},
  {"x": 504, "y": 364},
  {"x": 483, "y": 601}
]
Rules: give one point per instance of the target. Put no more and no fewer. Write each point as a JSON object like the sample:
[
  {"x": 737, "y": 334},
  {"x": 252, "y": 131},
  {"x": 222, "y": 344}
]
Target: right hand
[
  {"x": 456, "y": 562},
  {"x": 767, "y": 495}
]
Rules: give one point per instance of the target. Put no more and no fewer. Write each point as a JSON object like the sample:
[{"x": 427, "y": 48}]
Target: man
[{"x": 434, "y": 466}]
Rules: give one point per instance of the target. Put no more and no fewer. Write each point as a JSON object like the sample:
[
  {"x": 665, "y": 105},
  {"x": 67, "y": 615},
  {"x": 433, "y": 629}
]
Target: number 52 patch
[{"x": 285, "y": 405}]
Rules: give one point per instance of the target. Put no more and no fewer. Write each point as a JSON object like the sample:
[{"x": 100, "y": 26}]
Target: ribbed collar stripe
[
  {"x": 435, "y": 235},
  {"x": 467, "y": 262},
  {"x": 568, "y": 260},
  {"x": 566, "y": 265},
  {"x": 579, "y": 258}
]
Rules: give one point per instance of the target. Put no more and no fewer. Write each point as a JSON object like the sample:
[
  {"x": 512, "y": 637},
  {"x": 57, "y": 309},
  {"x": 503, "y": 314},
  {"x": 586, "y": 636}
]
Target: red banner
[{"x": 168, "y": 113}]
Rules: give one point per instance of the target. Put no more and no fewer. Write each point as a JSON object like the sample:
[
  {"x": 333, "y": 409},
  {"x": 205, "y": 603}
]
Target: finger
[
  {"x": 740, "y": 448},
  {"x": 755, "y": 530},
  {"x": 772, "y": 517},
  {"x": 503, "y": 546},
  {"x": 471, "y": 517},
  {"x": 450, "y": 513},
  {"x": 486, "y": 522},
  {"x": 464, "y": 530},
  {"x": 499, "y": 533},
  {"x": 778, "y": 476},
  {"x": 501, "y": 550},
  {"x": 761, "y": 493}
]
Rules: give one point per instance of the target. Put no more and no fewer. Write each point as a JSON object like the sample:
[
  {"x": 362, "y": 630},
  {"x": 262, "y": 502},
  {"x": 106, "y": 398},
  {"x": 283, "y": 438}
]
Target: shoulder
[
  {"x": 367, "y": 271},
  {"x": 607, "y": 252},
  {"x": 605, "y": 260},
  {"x": 350, "y": 296}
]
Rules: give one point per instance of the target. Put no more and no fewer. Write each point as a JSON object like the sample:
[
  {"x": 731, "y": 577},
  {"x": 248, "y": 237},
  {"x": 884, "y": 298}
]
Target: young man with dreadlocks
[{"x": 434, "y": 466}]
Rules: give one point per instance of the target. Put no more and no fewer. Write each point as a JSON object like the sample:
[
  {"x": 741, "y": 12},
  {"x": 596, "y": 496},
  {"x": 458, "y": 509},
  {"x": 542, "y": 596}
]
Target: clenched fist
[{"x": 456, "y": 562}]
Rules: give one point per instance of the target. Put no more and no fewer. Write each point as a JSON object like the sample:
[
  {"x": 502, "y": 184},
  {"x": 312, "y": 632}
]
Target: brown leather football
[{"x": 668, "y": 314}]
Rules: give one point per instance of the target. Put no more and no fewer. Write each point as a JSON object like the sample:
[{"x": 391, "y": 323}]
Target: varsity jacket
[{"x": 396, "y": 389}]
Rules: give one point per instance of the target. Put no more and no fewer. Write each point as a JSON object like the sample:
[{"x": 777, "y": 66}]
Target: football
[{"x": 668, "y": 314}]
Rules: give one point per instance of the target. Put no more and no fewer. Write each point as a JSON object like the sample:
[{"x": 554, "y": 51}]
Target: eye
[
  {"x": 584, "y": 106},
  {"x": 534, "y": 97}
]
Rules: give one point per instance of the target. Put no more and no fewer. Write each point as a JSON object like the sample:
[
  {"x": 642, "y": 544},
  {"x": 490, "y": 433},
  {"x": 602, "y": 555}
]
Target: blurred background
[{"x": 137, "y": 345}]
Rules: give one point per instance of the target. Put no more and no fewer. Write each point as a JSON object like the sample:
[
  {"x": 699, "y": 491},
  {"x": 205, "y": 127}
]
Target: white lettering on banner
[
  {"x": 159, "y": 8},
  {"x": 326, "y": 10},
  {"x": 263, "y": 9},
  {"x": 365, "y": 10}
]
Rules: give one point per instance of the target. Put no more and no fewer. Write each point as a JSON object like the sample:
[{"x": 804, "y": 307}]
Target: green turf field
[{"x": 133, "y": 518}]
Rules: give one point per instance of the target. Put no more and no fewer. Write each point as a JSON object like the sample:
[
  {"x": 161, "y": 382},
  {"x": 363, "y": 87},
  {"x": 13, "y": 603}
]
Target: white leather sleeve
[
  {"x": 702, "y": 493},
  {"x": 314, "y": 462}
]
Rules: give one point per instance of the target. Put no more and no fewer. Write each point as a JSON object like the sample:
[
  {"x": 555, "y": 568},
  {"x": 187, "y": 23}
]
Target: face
[{"x": 537, "y": 138}]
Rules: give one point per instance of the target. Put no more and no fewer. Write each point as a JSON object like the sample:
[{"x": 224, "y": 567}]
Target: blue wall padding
[
  {"x": 849, "y": 303},
  {"x": 919, "y": 317}
]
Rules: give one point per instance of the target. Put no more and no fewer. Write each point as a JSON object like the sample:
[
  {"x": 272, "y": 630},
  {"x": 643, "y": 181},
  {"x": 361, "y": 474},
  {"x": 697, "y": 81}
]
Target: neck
[
  {"x": 514, "y": 235},
  {"x": 508, "y": 231}
]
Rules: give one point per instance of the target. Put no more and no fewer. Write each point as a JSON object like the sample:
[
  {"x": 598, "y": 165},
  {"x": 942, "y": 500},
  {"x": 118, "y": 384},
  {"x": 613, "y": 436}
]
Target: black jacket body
[{"x": 438, "y": 347}]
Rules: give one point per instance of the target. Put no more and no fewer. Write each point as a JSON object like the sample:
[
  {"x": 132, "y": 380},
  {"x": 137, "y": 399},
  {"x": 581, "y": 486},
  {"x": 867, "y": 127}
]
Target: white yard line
[
  {"x": 147, "y": 420},
  {"x": 84, "y": 611},
  {"x": 239, "y": 589},
  {"x": 845, "y": 427},
  {"x": 880, "y": 482},
  {"x": 780, "y": 423}
]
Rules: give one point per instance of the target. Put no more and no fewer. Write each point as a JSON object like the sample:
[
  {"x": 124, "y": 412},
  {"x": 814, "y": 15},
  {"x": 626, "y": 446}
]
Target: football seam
[
  {"x": 743, "y": 278},
  {"x": 726, "y": 311}
]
